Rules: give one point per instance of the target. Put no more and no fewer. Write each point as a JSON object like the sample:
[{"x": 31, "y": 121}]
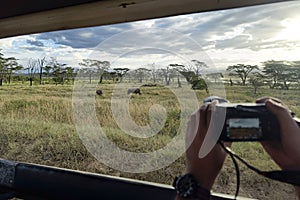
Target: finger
[
  {"x": 287, "y": 123},
  {"x": 211, "y": 108},
  {"x": 194, "y": 126},
  {"x": 276, "y": 101},
  {"x": 212, "y": 131},
  {"x": 196, "y": 132},
  {"x": 264, "y": 99},
  {"x": 208, "y": 116},
  {"x": 277, "y": 109},
  {"x": 203, "y": 115}
]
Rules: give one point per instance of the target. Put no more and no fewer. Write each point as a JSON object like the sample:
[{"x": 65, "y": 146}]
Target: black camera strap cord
[{"x": 286, "y": 176}]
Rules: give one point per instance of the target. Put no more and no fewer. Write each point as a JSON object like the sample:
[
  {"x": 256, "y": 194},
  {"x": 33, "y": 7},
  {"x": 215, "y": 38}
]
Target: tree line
[
  {"x": 51, "y": 71},
  {"x": 274, "y": 74},
  {"x": 40, "y": 70}
]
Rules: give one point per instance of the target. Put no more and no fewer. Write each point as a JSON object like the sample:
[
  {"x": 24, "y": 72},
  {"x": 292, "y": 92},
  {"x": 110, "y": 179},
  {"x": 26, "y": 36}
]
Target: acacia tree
[
  {"x": 295, "y": 76},
  {"x": 3, "y": 66},
  {"x": 166, "y": 72},
  {"x": 101, "y": 67},
  {"x": 215, "y": 75},
  {"x": 90, "y": 67},
  {"x": 256, "y": 80},
  {"x": 11, "y": 63},
  {"x": 70, "y": 72},
  {"x": 48, "y": 71},
  {"x": 197, "y": 67},
  {"x": 242, "y": 71},
  {"x": 188, "y": 75},
  {"x": 141, "y": 73},
  {"x": 58, "y": 71},
  {"x": 178, "y": 68},
  {"x": 121, "y": 72},
  {"x": 11, "y": 67},
  {"x": 279, "y": 73},
  {"x": 272, "y": 70},
  {"x": 31, "y": 67},
  {"x": 154, "y": 72},
  {"x": 40, "y": 65},
  {"x": 7, "y": 67},
  {"x": 37, "y": 66}
]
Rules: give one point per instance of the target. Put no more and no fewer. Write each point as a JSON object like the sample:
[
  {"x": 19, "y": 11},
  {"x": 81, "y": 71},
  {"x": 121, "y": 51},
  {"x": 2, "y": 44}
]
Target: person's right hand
[{"x": 286, "y": 152}]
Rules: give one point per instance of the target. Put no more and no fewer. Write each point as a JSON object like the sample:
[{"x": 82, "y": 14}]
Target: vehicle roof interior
[{"x": 33, "y": 16}]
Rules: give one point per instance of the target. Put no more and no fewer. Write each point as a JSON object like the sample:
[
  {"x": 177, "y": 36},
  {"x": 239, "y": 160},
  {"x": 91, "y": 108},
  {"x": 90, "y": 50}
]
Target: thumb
[
  {"x": 278, "y": 109},
  {"x": 275, "y": 107}
]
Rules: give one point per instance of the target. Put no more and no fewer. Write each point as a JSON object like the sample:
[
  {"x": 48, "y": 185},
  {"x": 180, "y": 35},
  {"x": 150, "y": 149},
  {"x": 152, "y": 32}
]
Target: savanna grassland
[{"x": 36, "y": 126}]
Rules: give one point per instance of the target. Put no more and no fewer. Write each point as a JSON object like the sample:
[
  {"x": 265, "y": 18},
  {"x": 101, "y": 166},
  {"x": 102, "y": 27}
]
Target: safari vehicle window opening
[{"x": 33, "y": 181}]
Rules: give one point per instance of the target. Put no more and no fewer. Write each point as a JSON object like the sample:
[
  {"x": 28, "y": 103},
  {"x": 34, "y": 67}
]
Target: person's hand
[
  {"x": 286, "y": 152},
  {"x": 205, "y": 169}
]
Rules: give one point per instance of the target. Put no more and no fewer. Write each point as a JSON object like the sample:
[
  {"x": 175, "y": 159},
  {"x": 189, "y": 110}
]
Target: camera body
[{"x": 248, "y": 122}]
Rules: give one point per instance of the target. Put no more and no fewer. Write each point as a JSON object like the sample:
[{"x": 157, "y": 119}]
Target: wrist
[
  {"x": 205, "y": 180},
  {"x": 187, "y": 187}
]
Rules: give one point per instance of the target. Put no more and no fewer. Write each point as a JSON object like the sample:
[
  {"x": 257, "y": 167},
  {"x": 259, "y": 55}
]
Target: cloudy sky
[{"x": 220, "y": 38}]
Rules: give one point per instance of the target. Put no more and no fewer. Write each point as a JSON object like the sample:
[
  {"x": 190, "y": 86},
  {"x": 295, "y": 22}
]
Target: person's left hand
[{"x": 205, "y": 169}]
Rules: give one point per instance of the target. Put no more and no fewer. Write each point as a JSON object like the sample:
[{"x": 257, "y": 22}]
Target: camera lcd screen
[{"x": 243, "y": 128}]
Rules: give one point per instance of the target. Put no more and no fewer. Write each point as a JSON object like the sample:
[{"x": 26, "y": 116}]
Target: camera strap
[{"x": 285, "y": 176}]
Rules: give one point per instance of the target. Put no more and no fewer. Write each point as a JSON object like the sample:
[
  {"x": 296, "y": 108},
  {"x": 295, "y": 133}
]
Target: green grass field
[{"x": 36, "y": 126}]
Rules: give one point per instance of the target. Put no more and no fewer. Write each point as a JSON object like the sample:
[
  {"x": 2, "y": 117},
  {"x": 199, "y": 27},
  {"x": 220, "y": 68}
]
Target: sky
[{"x": 248, "y": 35}]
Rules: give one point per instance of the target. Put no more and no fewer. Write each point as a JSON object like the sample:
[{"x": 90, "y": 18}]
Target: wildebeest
[
  {"x": 134, "y": 91},
  {"x": 99, "y": 92}
]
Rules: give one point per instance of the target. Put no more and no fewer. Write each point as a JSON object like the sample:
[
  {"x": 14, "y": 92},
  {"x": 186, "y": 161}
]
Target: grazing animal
[
  {"x": 99, "y": 92},
  {"x": 134, "y": 91}
]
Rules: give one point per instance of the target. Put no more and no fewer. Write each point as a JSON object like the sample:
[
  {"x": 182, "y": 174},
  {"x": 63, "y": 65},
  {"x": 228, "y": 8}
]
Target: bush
[{"x": 199, "y": 84}]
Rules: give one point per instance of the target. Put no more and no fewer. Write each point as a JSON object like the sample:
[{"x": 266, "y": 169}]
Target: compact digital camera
[{"x": 248, "y": 122}]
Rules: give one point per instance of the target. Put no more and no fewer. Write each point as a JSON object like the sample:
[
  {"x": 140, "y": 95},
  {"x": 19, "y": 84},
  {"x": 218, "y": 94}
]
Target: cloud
[
  {"x": 238, "y": 42},
  {"x": 35, "y": 43},
  {"x": 34, "y": 48},
  {"x": 256, "y": 24},
  {"x": 221, "y": 35},
  {"x": 84, "y": 37}
]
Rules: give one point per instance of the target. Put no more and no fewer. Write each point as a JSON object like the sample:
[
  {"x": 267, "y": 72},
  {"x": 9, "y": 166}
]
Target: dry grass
[{"x": 36, "y": 126}]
